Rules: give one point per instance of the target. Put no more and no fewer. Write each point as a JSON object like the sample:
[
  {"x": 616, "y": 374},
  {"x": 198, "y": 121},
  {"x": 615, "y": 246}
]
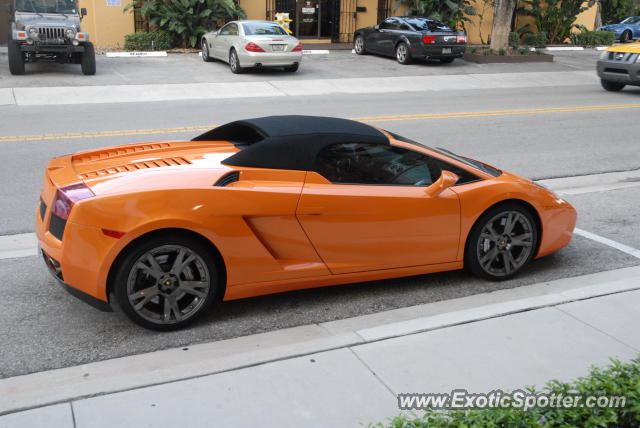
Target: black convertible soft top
[{"x": 289, "y": 142}]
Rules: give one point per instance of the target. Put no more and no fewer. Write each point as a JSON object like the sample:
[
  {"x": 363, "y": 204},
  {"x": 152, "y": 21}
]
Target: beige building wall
[
  {"x": 255, "y": 9},
  {"x": 106, "y": 22}
]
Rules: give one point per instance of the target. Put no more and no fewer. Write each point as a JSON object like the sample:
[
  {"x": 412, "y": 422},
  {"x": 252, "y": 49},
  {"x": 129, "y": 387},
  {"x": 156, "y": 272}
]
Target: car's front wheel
[
  {"x": 88, "y": 60},
  {"x": 16, "y": 58},
  {"x": 625, "y": 37},
  {"x": 166, "y": 282},
  {"x": 402, "y": 53},
  {"x": 234, "y": 63},
  {"x": 612, "y": 86},
  {"x": 205, "y": 51},
  {"x": 502, "y": 242},
  {"x": 358, "y": 45}
]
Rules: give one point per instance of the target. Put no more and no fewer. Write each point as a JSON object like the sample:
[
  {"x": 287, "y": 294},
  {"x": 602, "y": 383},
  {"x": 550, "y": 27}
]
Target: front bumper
[
  {"x": 618, "y": 71},
  {"x": 268, "y": 59},
  {"x": 436, "y": 50},
  {"x": 47, "y": 48}
]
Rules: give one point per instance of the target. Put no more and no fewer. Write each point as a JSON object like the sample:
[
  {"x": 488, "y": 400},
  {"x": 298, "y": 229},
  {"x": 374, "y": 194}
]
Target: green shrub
[
  {"x": 144, "y": 41},
  {"x": 537, "y": 40},
  {"x": 617, "y": 379},
  {"x": 473, "y": 50},
  {"x": 524, "y": 50},
  {"x": 489, "y": 51},
  {"x": 514, "y": 39},
  {"x": 502, "y": 52},
  {"x": 595, "y": 38}
]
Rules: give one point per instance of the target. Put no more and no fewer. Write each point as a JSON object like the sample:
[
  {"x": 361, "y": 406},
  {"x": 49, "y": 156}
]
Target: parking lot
[{"x": 43, "y": 327}]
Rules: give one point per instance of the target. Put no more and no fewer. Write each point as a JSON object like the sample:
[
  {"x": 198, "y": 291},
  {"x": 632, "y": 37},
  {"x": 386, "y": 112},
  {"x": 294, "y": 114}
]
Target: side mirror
[
  {"x": 446, "y": 180},
  {"x": 376, "y": 27},
  {"x": 83, "y": 11}
]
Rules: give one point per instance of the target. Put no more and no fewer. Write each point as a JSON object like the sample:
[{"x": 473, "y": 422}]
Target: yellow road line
[{"x": 368, "y": 119}]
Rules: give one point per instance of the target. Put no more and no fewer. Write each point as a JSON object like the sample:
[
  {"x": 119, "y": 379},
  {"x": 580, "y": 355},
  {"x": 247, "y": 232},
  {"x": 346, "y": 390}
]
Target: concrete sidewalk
[
  {"x": 347, "y": 372},
  {"x": 289, "y": 88}
]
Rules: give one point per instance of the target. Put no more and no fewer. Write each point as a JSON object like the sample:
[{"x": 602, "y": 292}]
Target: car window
[
  {"x": 424, "y": 24},
  {"x": 229, "y": 30},
  {"x": 258, "y": 28},
  {"x": 376, "y": 164},
  {"x": 631, "y": 20},
  {"x": 390, "y": 24}
]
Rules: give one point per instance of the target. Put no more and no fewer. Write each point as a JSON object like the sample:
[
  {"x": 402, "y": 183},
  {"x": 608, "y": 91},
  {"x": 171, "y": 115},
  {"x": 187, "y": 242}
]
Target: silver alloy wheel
[
  {"x": 168, "y": 284},
  {"x": 505, "y": 243},
  {"x": 401, "y": 52},
  {"x": 205, "y": 51},
  {"x": 233, "y": 61},
  {"x": 359, "y": 44}
]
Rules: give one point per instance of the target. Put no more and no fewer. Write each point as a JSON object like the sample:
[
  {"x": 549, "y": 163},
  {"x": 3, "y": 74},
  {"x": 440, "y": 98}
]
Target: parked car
[
  {"x": 280, "y": 203},
  {"x": 625, "y": 31},
  {"x": 48, "y": 30},
  {"x": 619, "y": 66},
  {"x": 249, "y": 44},
  {"x": 411, "y": 37}
]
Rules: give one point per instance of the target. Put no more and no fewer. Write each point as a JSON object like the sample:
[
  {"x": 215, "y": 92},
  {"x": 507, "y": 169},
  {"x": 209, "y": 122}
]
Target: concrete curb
[
  {"x": 135, "y": 54},
  {"x": 121, "y": 374}
]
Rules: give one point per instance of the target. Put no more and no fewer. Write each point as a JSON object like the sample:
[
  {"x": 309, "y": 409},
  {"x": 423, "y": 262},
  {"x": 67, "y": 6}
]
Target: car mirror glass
[
  {"x": 83, "y": 11},
  {"x": 376, "y": 27}
]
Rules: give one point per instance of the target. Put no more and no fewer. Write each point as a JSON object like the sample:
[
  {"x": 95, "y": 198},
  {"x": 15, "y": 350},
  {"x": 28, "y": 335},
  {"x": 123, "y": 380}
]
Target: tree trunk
[{"x": 502, "y": 24}]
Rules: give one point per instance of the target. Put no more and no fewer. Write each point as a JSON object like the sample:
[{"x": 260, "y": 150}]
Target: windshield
[
  {"x": 46, "y": 6},
  {"x": 631, "y": 20},
  {"x": 263, "y": 28},
  {"x": 424, "y": 24},
  {"x": 465, "y": 160}
]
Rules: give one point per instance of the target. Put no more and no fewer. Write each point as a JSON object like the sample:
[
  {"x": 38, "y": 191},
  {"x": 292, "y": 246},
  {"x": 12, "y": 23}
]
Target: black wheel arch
[
  {"x": 522, "y": 203},
  {"x": 190, "y": 234}
]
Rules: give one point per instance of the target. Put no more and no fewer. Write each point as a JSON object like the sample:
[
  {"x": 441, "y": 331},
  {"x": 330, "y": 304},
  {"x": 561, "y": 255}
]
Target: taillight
[
  {"x": 252, "y": 47},
  {"x": 428, "y": 39},
  {"x": 461, "y": 39},
  {"x": 66, "y": 197},
  {"x": 298, "y": 48}
]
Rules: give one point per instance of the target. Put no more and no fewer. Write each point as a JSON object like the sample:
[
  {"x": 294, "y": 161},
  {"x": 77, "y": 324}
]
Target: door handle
[{"x": 312, "y": 211}]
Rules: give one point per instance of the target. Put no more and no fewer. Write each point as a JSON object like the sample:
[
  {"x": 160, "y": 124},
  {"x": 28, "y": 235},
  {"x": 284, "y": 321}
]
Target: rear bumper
[
  {"x": 436, "y": 51},
  {"x": 616, "y": 71},
  {"x": 269, "y": 59},
  {"x": 56, "y": 271}
]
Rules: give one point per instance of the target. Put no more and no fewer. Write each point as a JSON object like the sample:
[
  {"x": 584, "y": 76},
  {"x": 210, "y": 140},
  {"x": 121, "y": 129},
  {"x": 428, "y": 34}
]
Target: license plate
[
  {"x": 277, "y": 48},
  {"x": 446, "y": 50}
]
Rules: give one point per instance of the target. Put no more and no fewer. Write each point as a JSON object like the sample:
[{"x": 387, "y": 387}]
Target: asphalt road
[{"x": 42, "y": 327}]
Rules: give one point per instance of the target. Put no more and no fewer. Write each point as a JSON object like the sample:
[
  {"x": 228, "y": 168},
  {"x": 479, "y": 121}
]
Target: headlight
[
  {"x": 604, "y": 55},
  {"x": 33, "y": 32},
  {"x": 70, "y": 33}
]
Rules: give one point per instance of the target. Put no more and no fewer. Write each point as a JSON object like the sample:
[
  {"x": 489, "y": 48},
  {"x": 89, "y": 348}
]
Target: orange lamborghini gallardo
[{"x": 280, "y": 203}]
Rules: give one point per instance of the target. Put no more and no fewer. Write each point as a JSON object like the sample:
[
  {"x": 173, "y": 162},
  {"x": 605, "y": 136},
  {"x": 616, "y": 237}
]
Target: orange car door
[{"x": 361, "y": 227}]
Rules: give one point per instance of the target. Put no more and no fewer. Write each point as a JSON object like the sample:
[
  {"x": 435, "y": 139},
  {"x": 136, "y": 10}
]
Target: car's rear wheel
[
  {"x": 16, "y": 58},
  {"x": 292, "y": 68},
  {"x": 446, "y": 60},
  {"x": 625, "y": 37},
  {"x": 234, "y": 63},
  {"x": 358, "y": 45},
  {"x": 402, "y": 53},
  {"x": 612, "y": 86},
  {"x": 205, "y": 51},
  {"x": 166, "y": 282},
  {"x": 502, "y": 242}
]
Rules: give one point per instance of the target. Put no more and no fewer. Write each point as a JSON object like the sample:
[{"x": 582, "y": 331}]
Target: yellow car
[{"x": 619, "y": 66}]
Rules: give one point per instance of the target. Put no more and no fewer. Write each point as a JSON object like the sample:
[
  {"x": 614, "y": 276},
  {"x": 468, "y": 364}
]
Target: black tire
[
  {"x": 234, "y": 63},
  {"x": 88, "y": 61},
  {"x": 130, "y": 280},
  {"x": 292, "y": 68},
  {"x": 446, "y": 60},
  {"x": 612, "y": 86},
  {"x": 486, "y": 253},
  {"x": 625, "y": 37},
  {"x": 403, "y": 54},
  {"x": 359, "y": 45},
  {"x": 16, "y": 59},
  {"x": 205, "y": 51}
]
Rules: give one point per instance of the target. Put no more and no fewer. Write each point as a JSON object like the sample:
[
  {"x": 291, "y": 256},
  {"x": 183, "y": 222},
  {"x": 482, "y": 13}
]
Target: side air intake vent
[{"x": 225, "y": 180}]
